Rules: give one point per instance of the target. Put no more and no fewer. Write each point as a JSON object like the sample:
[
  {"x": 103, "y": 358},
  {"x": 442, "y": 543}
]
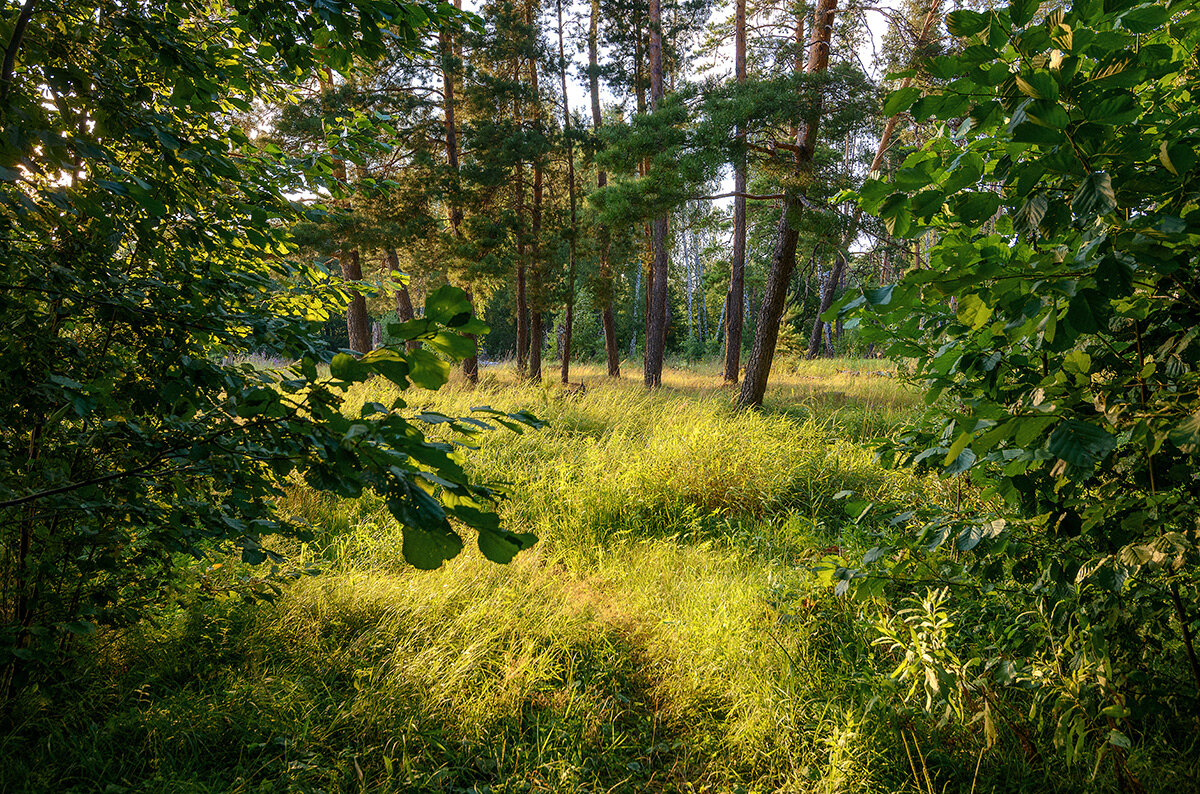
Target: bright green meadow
[{"x": 667, "y": 633}]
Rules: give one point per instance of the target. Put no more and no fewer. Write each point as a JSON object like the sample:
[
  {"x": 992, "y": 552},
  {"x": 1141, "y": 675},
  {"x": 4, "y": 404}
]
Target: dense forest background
[{"x": 486, "y": 178}]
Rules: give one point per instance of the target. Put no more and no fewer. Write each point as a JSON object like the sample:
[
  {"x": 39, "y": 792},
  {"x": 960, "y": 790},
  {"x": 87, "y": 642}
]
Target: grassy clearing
[{"x": 666, "y": 634}]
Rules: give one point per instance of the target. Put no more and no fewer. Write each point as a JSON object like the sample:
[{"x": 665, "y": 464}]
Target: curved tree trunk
[{"x": 783, "y": 262}]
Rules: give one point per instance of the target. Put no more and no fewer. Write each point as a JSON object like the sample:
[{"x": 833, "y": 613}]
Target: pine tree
[{"x": 783, "y": 262}]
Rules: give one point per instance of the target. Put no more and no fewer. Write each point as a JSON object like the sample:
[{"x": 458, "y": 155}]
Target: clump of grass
[{"x": 623, "y": 461}]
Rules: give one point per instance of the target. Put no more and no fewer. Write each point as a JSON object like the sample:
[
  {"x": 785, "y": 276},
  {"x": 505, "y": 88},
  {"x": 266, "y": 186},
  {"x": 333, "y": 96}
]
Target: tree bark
[
  {"x": 570, "y": 318},
  {"x": 656, "y": 335},
  {"x": 783, "y": 262},
  {"x": 470, "y": 365},
  {"x": 537, "y": 307},
  {"x": 737, "y": 266},
  {"x": 522, "y": 297},
  {"x": 10, "y": 52},
  {"x": 607, "y": 319},
  {"x": 358, "y": 326},
  {"x": 404, "y": 307}
]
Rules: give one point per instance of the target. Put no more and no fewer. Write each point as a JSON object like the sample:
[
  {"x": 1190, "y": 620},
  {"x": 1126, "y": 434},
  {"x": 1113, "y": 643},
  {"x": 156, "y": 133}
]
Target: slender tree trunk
[
  {"x": 358, "y": 325},
  {"x": 537, "y": 304},
  {"x": 688, "y": 286},
  {"x": 721, "y": 319},
  {"x": 607, "y": 320},
  {"x": 522, "y": 297},
  {"x": 637, "y": 297},
  {"x": 470, "y": 365},
  {"x": 829, "y": 288},
  {"x": 647, "y": 260},
  {"x": 737, "y": 267},
  {"x": 656, "y": 334},
  {"x": 570, "y": 318},
  {"x": 783, "y": 262}
]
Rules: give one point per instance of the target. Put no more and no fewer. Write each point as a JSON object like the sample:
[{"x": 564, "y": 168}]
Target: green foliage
[
  {"x": 144, "y": 253},
  {"x": 1054, "y": 330}
]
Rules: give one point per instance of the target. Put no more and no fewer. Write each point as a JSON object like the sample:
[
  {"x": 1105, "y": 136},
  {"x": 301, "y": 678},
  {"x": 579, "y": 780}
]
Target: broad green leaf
[
  {"x": 1178, "y": 158},
  {"x": 957, "y": 447},
  {"x": 1088, "y": 311},
  {"x": 1186, "y": 435},
  {"x": 965, "y": 460},
  {"x": 973, "y": 208},
  {"x": 346, "y": 367},
  {"x": 388, "y": 363},
  {"x": 1039, "y": 85},
  {"x": 1029, "y": 216},
  {"x": 454, "y": 345},
  {"x": 973, "y": 311},
  {"x": 964, "y": 22},
  {"x": 1118, "y": 739},
  {"x": 1048, "y": 114},
  {"x": 1022, "y": 11},
  {"x": 427, "y": 370},
  {"x": 448, "y": 305},
  {"x": 427, "y": 549},
  {"x": 1094, "y": 196},
  {"x": 79, "y": 627},
  {"x": 1078, "y": 362},
  {"x": 1115, "y": 109},
  {"x": 1145, "y": 18},
  {"x": 900, "y": 100},
  {"x": 1080, "y": 443},
  {"x": 410, "y": 329},
  {"x": 927, "y": 203}
]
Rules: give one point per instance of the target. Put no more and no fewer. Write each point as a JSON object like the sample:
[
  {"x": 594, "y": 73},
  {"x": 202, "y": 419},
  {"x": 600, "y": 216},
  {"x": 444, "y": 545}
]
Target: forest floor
[{"x": 667, "y": 633}]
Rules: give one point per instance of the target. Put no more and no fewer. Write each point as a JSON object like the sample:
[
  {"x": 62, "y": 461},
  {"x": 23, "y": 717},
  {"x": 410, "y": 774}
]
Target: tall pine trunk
[
  {"x": 783, "y": 262},
  {"x": 656, "y": 333},
  {"x": 607, "y": 319},
  {"x": 570, "y": 318},
  {"x": 737, "y": 265},
  {"x": 358, "y": 325},
  {"x": 646, "y": 268},
  {"x": 522, "y": 296},
  {"x": 470, "y": 365},
  {"x": 537, "y": 302}
]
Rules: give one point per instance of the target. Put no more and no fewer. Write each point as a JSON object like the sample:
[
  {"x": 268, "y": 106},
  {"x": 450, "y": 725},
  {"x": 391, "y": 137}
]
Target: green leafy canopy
[
  {"x": 1054, "y": 325},
  {"x": 145, "y": 254}
]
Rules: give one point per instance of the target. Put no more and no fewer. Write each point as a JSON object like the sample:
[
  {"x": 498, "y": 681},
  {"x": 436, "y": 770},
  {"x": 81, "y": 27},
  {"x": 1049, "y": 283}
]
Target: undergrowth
[{"x": 666, "y": 634}]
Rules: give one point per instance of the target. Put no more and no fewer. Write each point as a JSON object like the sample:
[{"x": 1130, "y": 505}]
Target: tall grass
[{"x": 666, "y": 634}]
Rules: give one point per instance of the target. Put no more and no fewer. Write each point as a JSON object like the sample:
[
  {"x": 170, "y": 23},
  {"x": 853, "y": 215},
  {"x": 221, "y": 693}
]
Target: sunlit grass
[{"x": 665, "y": 634}]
